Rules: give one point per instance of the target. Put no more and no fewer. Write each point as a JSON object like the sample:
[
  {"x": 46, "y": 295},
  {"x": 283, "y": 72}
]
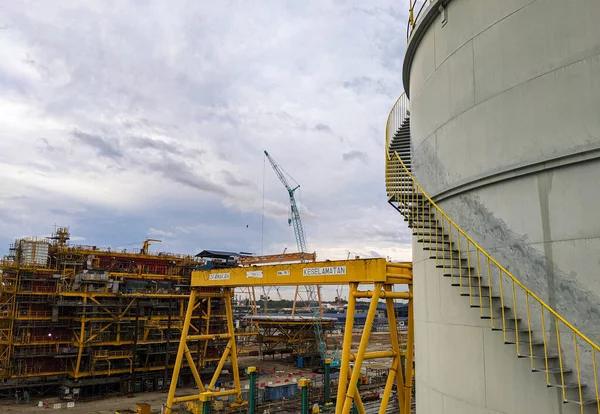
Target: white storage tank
[{"x": 33, "y": 252}]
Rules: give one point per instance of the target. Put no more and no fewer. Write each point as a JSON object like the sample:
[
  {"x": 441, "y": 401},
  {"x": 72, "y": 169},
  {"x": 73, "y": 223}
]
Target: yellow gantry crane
[{"x": 379, "y": 276}]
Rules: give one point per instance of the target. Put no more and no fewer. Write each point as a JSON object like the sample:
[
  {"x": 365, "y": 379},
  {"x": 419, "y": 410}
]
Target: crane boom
[{"x": 296, "y": 221}]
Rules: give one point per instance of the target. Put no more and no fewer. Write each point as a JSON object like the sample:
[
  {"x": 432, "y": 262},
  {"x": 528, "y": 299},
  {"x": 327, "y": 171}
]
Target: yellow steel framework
[
  {"x": 382, "y": 275},
  {"x": 552, "y": 344},
  {"x": 85, "y": 313}
]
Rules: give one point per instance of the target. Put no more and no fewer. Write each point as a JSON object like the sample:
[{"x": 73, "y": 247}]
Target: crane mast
[
  {"x": 296, "y": 222},
  {"x": 295, "y": 214}
]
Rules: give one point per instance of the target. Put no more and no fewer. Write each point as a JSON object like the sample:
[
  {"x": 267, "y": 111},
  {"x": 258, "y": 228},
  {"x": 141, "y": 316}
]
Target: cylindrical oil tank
[{"x": 505, "y": 130}]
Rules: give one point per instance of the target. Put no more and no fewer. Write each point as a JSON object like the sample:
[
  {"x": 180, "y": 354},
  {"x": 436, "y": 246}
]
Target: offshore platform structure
[
  {"x": 384, "y": 276},
  {"x": 313, "y": 293},
  {"x": 95, "y": 321}
]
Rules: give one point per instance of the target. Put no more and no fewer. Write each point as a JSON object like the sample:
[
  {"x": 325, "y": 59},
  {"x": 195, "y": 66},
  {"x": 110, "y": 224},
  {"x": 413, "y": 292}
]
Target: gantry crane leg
[{"x": 181, "y": 350}]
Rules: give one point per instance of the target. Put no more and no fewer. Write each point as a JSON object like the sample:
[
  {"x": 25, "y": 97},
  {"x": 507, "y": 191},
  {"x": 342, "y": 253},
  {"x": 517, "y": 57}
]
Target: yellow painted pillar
[
  {"x": 81, "y": 338},
  {"x": 234, "y": 355},
  {"x": 408, "y": 382},
  {"x": 180, "y": 351},
  {"x": 399, "y": 376},
  {"x": 364, "y": 341},
  {"x": 346, "y": 348}
]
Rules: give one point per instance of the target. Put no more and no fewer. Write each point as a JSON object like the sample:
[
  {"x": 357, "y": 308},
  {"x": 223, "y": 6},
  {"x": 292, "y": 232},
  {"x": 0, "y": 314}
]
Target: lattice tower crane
[{"x": 296, "y": 222}]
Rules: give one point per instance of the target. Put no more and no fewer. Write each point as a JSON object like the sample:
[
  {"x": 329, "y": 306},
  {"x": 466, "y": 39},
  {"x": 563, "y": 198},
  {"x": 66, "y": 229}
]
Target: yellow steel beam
[
  {"x": 234, "y": 361},
  {"x": 375, "y": 355},
  {"x": 81, "y": 339},
  {"x": 302, "y": 274},
  {"x": 180, "y": 351},
  {"x": 224, "y": 357},
  {"x": 347, "y": 346},
  {"x": 352, "y": 387},
  {"x": 192, "y": 365},
  {"x": 218, "y": 336},
  {"x": 391, "y": 295},
  {"x": 408, "y": 375},
  {"x": 395, "y": 371},
  {"x": 197, "y": 397}
]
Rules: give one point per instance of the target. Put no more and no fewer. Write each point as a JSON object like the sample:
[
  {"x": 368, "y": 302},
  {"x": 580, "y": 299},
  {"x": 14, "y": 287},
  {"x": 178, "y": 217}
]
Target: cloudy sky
[{"x": 134, "y": 119}]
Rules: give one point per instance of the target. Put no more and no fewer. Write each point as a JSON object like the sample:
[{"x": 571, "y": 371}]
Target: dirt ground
[{"x": 105, "y": 406}]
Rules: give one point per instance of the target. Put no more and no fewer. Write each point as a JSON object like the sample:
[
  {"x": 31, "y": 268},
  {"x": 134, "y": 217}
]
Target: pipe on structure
[
  {"x": 304, "y": 384},
  {"x": 205, "y": 401},
  {"x": 327, "y": 380},
  {"x": 252, "y": 396}
]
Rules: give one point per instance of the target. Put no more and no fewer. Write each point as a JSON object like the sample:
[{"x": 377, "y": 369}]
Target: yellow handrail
[
  {"x": 493, "y": 261},
  {"x": 423, "y": 214},
  {"x": 413, "y": 18}
]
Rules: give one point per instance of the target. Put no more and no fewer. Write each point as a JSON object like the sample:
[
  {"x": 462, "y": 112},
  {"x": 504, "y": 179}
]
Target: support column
[
  {"x": 180, "y": 351},
  {"x": 346, "y": 348},
  {"x": 408, "y": 370},
  {"x": 364, "y": 341},
  {"x": 396, "y": 372},
  {"x": 234, "y": 354},
  {"x": 304, "y": 384},
  {"x": 206, "y": 402},
  {"x": 81, "y": 337},
  {"x": 252, "y": 396},
  {"x": 327, "y": 384},
  {"x": 354, "y": 404}
]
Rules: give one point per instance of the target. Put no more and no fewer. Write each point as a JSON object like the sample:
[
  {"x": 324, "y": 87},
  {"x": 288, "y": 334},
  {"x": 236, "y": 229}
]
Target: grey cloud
[
  {"x": 180, "y": 172},
  {"x": 365, "y": 84},
  {"x": 323, "y": 128},
  {"x": 231, "y": 179},
  {"x": 143, "y": 143},
  {"x": 45, "y": 146},
  {"x": 355, "y": 155},
  {"x": 102, "y": 146}
]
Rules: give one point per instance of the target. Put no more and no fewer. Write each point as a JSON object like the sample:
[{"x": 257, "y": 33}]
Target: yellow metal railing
[
  {"x": 416, "y": 7},
  {"x": 539, "y": 332}
]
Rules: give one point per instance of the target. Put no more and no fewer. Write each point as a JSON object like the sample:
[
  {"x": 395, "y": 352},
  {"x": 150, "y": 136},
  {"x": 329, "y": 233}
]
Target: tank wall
[
  {"x": 505, "y": 76},
  {"x": 506, "y": 135},
  {"x": 505, "y": 123},
  {"x": 463, "y": 367}
]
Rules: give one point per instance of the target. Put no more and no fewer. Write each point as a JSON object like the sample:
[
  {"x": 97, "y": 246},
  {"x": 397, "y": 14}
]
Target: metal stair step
[
  {"x": 436, "y": 242},
  {"x": 584, "y": 403},
  {"x": 553, "y": 370},
  {"x": 499, "y": 308},
  {"x": 523, "y": 342},
  {"x": 475, "y": 277},
  {"x": 553, "y": 356},
  {"x": 441, "y": 250},
  {"x": 457, "y": 267},
  {"x": 520, "y": 330},
  {"x": 566, "y": 386}
]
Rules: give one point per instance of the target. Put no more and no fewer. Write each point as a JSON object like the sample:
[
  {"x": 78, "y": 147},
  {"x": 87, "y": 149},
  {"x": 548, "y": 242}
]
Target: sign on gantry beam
[{"x": 316, "y": 273}]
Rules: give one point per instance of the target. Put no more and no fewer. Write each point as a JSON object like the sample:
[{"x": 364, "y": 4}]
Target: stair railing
[
  {"x": 413, "y": 19},
  {"x": 491, "y": 286},
  {"x": 399, "y": 112}
]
